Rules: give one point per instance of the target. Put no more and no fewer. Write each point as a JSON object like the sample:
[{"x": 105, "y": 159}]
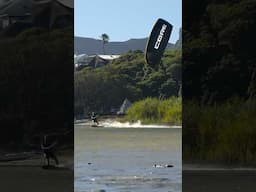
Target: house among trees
[
  {"x": 15, "y": 11},
  {"x": 53, "y": 13},
  {"x": 47, "y": 13},
  {"x": 94, "y": 61},
  {"x": 7, "y": 20}
]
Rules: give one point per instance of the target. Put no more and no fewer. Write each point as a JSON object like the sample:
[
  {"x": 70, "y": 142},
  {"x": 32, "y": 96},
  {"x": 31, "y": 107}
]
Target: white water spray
[
  {"x": 109, "y": 123},
  {"x": 138, "y": 124}
]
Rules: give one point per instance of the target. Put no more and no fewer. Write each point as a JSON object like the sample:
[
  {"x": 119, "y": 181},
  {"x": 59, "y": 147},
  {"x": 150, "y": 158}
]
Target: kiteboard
[{"x": 94, "y": 125}]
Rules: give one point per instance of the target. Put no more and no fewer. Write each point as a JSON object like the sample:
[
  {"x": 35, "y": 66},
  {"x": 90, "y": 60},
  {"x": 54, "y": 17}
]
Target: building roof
[
  {"x": 22, "y": 7},
  {"x": 83, "y": 58},
  {"x": 93, "y": 60},
  {"x": 15, "y": 7},
  {"x": 67, "y": 3},
  {"x": 109, "y": 57}
]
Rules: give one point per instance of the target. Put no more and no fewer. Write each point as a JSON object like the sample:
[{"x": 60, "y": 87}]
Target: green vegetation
[
  {"x": 153, "y": 110},
  {"x": 218, "y": 65},
  {"x": 104, "y": 88},
  {"x": 220, "y": 133},
  {"x": 105, "y": 38},
  {"x": 218, "y": 57},
  {"x": 36, "y": 75}
]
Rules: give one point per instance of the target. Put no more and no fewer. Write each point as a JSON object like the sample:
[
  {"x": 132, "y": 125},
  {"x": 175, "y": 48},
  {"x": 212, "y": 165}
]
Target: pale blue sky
[{"x": 125, "y": 19}]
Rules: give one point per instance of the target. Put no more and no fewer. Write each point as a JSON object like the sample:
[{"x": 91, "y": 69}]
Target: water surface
[{"x": 122, "y": 159}]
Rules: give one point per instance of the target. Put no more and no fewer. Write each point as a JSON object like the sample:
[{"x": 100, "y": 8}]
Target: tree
[
  {"x": 105, "y": 38},
  {"x": 104, "y": 88}
]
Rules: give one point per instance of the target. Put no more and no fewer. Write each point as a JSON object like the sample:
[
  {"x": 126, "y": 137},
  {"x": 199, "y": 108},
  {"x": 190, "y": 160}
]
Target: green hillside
[{"x": 102, "y": 89}]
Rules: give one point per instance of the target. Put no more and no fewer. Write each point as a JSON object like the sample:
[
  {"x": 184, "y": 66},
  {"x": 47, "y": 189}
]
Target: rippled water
[{"x": 121, "y": 159}]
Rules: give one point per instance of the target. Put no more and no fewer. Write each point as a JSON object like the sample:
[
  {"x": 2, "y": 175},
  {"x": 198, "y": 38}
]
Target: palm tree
[{"x": 105, "y": 38}]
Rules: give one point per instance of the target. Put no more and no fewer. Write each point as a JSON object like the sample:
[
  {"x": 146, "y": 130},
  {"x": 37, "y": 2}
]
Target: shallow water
[{"x": 121, "y": 159}]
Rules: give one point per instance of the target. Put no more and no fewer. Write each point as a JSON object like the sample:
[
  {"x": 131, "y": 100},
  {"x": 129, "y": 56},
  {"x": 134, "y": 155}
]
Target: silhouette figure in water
[
  {"x": 94, "y": 118},
  {"x": 49, "y": 150}
]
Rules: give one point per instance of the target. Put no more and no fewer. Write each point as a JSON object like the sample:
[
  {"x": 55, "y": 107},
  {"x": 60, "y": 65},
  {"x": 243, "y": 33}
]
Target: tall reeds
[
  {"x": 153, "y": 110},
  {"x": 220, "y": 133}
]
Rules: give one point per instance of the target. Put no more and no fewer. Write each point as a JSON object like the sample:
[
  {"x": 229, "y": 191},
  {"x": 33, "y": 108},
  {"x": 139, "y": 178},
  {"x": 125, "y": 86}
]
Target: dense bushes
[
  {"x": 153, "y": 110},
  {"x": 36, "y": 75},
  {"x": 218, "y": 57},
  {"x": 221, "y": 133}
]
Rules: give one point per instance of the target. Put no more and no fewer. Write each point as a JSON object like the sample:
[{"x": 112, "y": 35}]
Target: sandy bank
[
  {"x": 28, "y": 175},
  {"x": 34, "y": 178}
]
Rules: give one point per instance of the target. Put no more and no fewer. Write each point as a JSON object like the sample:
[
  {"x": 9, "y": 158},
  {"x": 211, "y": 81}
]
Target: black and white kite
[{"x": 157, "y": 42}]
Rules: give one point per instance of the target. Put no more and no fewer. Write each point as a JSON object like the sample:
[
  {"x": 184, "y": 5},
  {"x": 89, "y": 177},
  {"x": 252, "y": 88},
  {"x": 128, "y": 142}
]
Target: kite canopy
[{"x": 157, "y": 42}]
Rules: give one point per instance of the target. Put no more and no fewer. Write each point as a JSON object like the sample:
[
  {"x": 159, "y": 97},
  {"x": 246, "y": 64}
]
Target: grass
[
  {"x": 221, "y": 133},
  {"x": 153, "y": 110}
]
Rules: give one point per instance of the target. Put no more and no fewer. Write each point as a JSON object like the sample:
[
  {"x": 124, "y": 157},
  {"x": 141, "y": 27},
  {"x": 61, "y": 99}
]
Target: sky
[{"x": 125, "y": 19}]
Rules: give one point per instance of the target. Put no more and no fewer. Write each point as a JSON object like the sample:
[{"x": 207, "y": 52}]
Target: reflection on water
[{"x": 120, "y": 160}]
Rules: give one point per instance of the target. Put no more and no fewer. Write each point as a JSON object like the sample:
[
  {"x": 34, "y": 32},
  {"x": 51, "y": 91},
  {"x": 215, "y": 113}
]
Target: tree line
[
  {"x": 104, "y": 89},
  {"x": 219, "y": 81},
  {"x": 218, "y": 50},
  {"x": 36, "y": 84}
]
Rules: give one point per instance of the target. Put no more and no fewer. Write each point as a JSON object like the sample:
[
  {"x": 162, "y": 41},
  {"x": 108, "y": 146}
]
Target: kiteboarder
[
  {"x": 48, "y": 150},
  {"x": 94, "y": 118}
]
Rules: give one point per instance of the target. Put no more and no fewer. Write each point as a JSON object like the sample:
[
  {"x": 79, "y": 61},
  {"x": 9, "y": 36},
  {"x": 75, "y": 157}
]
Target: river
[{"x": 116, "y": 159}]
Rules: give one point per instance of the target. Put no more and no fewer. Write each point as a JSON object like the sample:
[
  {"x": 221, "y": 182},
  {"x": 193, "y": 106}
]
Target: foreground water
[{"x": 122, "y": 159}]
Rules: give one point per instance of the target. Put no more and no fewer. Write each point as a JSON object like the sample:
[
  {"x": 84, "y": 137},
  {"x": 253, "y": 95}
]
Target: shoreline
[
  {"x": 29, "y": 174},
  {"x": 31, "y": 178},
  {"x": 65, "y": 157},
  {"x": 218, "y": 177},
  {"x": 219, "y": 180},
  {"x": 121, "y": 119},
  {"x": 217, "y": 167},
  {"x": 106, "y": 122}
]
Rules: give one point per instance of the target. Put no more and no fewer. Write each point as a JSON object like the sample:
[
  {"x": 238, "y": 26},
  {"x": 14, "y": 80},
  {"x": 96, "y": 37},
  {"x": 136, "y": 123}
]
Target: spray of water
[
  {"x": 116, "y": 124},
  {"x": 138, "y": 124}
]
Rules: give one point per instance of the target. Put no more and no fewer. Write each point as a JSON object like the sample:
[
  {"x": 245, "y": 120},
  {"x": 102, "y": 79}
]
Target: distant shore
[
  {"x": 197, "y": 177},
  {"x": 148, "y": 111},
  {"x": 203, "y": 166},
  {"x": 119, "y": 123}
]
